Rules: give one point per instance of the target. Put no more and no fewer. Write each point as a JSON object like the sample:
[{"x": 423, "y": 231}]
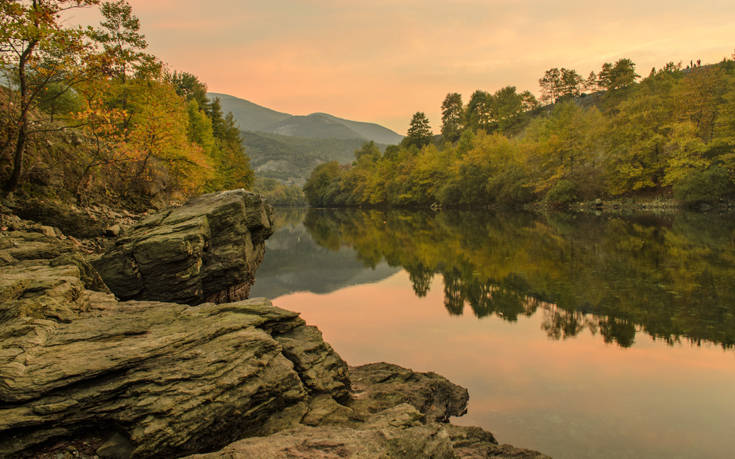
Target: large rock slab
[
  {"x": 161, "y": 378},
  {"x": 206, "y": 250}
]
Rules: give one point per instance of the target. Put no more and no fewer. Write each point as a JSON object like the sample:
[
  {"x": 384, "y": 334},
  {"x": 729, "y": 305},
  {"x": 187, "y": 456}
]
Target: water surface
[{"x": 577, "y": 336}]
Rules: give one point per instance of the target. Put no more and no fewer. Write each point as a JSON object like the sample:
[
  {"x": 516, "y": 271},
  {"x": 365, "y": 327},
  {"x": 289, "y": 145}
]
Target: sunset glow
[{"x": 381, "y": 61}]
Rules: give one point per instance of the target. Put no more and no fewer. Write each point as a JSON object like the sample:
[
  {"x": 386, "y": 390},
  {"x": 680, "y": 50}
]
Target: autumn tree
[
  {"x": 36, "y": 51},
  {"x": 452, "y": 117}
]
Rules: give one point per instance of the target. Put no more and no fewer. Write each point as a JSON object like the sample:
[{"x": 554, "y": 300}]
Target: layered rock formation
[
  {"x": 84, "y": 374},
  {"x": 205, "y": 250},
  {"x": 394, "y": 412},
  {"x": 166, "y": 377}
]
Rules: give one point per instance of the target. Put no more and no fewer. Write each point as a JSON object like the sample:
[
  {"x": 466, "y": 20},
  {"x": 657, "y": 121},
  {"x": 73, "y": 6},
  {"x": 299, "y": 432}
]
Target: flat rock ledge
[{"x": 83, "y": 374}]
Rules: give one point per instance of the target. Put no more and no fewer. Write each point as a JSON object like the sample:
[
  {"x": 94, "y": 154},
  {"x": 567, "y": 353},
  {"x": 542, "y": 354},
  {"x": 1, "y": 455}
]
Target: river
[{"x": 578, "y": 336}]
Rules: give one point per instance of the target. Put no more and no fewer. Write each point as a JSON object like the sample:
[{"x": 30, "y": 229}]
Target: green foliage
[
  {"x": 419, "y": 132},
  {"x": 280, "y": 194},
  {"x": 707, "y": 186},
  {"x": 642, "y": 137},
  {"x": 563, "y": 193},
  {"x": 452, "y": 117}
]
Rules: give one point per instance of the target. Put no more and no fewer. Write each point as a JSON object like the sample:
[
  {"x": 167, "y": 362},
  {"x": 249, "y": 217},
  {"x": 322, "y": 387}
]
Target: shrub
[
  {"x": 706, "y": 186},
  {"x": 563, "y": 193}
]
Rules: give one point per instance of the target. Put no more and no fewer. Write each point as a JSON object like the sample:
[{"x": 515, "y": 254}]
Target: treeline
[
  {"x": 670, "y": 278},
  {"x": 673, "y": 131},
  {"x": 90, "y": 112}
]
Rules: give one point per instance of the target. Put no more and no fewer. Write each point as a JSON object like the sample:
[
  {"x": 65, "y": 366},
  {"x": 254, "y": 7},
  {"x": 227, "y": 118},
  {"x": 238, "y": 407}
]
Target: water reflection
[
  {"x": 669, "y": 277},
  {"x": 295, "y": 263}
]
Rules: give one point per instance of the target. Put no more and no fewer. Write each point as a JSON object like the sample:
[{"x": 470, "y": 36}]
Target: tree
[
  {"x": 35, "y": 52},
  {"x": 189, "y": 86},
  {"x": 121, "y": 40},
  {"x": 479, "y": 114},
  {"x": 508, "y": 106},
  {"x": 419, "y": 132},
  {"x": 590, "y": 84},
  {"x": 623, "y": 74},
  {"x": 618, "y": 76},
  {"x": 550, "y": 85},
  {"x": 604, "y": 78},
  {"x": 452, "y": 117},
  {"x": 571, "y": 82}
]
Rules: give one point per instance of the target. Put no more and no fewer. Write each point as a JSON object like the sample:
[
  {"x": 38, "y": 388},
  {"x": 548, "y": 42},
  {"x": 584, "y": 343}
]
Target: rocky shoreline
[{"x": 105, "y": 355}]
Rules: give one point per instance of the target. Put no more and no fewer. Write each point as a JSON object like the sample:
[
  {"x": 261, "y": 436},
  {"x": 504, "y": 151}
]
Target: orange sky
[{"x": 383, "y": 60}]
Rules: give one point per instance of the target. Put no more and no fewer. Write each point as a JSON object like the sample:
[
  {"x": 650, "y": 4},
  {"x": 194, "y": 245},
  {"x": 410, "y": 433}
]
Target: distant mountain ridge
[
  {"x": 254, "y": 117},
  {"x": 287, "y": 147}
]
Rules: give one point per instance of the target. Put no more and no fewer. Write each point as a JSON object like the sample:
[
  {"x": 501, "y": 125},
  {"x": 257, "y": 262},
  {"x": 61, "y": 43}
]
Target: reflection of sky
[
  {"x": 577, "y": 397},
  {"x": 383, "y": 60}
]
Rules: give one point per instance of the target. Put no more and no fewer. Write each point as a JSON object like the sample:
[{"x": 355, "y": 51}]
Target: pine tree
[{"x": 419, "y": 133}]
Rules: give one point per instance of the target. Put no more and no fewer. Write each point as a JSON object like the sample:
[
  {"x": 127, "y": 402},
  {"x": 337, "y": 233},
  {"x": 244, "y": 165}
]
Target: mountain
[
  {"x": 253, "y": 117},
  {"x": 250, "y": 116},
  {"x": 287, "y": 147}
]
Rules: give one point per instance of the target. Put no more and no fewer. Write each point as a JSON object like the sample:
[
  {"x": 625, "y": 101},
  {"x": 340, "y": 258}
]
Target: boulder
[
  {"x": 378, "y": 386},
  {"x": 206, "y": 250}
]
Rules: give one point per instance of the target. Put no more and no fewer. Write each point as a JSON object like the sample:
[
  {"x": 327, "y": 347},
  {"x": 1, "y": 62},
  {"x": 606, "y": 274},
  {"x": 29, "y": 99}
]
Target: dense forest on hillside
[
  {"x": 673, "y": 132},
  {"x": 87, "y": 111}
]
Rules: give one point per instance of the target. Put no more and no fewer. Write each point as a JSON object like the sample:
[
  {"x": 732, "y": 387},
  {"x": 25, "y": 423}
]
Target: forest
[
  {"x": 88, "y": 112},
  {"x": 607, "y": 136}
]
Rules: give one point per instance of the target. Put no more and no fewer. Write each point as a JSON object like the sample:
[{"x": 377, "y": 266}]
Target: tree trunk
[{"x": 14, "y": 179}]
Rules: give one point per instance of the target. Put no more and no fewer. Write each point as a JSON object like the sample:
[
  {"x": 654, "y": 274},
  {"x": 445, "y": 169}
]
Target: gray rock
[{"x": 206, "y": 250}]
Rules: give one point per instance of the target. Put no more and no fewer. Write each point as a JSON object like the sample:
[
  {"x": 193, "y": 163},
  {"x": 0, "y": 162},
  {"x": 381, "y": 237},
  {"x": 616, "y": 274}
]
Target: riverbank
[{"x": 83, "y": 373}]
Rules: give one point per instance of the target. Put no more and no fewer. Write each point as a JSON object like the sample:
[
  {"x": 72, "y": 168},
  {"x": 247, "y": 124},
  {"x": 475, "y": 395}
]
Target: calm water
[{"x": 579, "y": 337}]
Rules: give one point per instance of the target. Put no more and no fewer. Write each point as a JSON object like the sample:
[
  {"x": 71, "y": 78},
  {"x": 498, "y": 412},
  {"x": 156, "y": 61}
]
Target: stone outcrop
[
  {"x": 206, "y": 250},
  {"x": 168, "y": 378}
]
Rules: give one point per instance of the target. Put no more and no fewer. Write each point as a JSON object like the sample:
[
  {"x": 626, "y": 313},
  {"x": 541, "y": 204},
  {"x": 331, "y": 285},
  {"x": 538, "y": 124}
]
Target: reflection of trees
[
  {"x": 420, "y": 277},
  {"x": 669, "y": 277}
]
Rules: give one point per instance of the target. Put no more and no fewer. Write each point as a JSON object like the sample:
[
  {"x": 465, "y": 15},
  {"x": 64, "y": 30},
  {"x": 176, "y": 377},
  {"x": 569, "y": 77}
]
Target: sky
[{"x": 382, "y": 60}]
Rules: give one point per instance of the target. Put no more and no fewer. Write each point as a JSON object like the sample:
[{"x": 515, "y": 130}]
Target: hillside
[
  {"x": 669, "y": 135},
  {"x": 290, "y": 159},
  {"x": 250, "y": 116}
]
